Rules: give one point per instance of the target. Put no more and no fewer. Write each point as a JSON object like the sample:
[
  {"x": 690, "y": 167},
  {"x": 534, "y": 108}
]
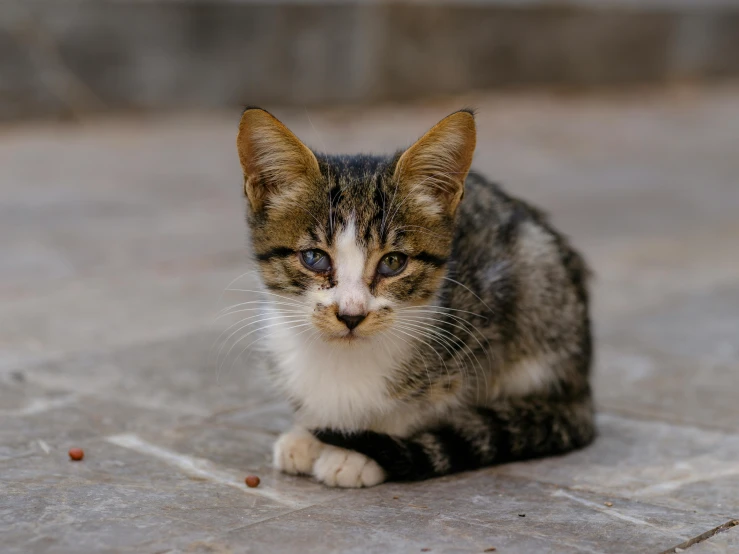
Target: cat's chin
[{"x": 348, "y": 339}]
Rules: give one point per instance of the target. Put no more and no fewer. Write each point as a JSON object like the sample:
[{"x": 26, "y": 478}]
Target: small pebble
[
  {"x": 491, "y": 549},
  {"x": 608, "y": 504},
  {"x": 252, "y": 481},
  {"x": 76, "y": 454},
  {"x": 395, "y": 497},
  {"x": 425, "y": 550},
  {"x": 521, "y": 515}
]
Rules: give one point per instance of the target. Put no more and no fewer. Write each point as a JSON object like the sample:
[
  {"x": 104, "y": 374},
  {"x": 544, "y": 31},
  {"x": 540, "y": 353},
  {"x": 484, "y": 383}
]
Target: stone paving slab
[
  {"x": 92, "y": 314},
  {"x": 725, "y": 542},
  {"x": 686, "y": 468},
  {"x": 472, "y": 512},
  {"x": 118, "y": 246}
]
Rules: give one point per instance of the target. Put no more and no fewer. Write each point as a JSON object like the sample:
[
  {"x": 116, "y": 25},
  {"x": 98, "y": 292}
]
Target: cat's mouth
[{"x": 347, "y": 338}]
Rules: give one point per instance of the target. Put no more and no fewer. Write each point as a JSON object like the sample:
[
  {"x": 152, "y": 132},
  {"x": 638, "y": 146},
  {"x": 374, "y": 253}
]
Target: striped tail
[{"x": 515, "y": 430}]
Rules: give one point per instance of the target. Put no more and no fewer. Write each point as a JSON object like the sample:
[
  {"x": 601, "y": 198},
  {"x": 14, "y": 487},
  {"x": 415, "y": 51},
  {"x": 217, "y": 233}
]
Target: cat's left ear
[
  {"x": 276, "y": 165},
  {"x": 434, "y": 169}
]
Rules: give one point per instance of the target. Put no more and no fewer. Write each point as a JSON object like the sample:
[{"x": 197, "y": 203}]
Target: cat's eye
[
  {"x": 315, "y": 260},
  {"x": 392, "y": 264}
]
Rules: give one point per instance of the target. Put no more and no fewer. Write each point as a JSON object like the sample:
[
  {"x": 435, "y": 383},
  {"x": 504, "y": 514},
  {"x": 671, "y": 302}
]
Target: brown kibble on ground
[
  {"x": 608, "y": 504},
  {"x": 491, "y": 549},
  {"x": 76, "y": 454},
  {"x": 252, "y": 481},
  {"x": 395, "y": 497},
  {"x": 425, "y": 550}
]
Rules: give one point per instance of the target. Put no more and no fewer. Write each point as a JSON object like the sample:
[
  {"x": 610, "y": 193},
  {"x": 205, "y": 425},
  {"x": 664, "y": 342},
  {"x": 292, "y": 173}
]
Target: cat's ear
[
  {"x": 434, "y": 169},
  {"x": 276, "y": 164}
]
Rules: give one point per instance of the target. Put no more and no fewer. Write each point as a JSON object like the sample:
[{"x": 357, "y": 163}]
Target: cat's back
[{"x": 517, "y": 269}]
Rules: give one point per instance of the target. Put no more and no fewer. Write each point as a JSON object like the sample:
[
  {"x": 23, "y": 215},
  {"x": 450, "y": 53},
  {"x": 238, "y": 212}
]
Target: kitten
[{"x": 423, "y": 321}]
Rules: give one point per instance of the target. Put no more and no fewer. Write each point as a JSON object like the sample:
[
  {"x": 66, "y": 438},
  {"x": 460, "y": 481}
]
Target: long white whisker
[
  {"x": 262, "y": 308},
  {"x": 256, "y": 341},
  {"x": 465, "y": 326},
  {"x": 243, "y": 320},
  {"x": 435, "y": 307},
  {"x": 454, "y": 342},
  {"x": 220, "y": 298},
  {"x": 434, "y": 333},
  {"x": 469, "y": 353},
  {"x": 469, "y": 290},
  {"x": 418, "y": 351},
  {"x": 270, "y": 294},
  {"x": 415, "y": 338},
  {"x": 271, "y": 318},
  {"x": 426, "y": 334},
  {"x": 262, "y": 329}
]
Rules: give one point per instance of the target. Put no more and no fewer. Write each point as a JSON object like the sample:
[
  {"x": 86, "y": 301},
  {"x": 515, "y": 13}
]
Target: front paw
[
  {"x": 337, "y": 467},
  {"x": 296, "y": 451}
]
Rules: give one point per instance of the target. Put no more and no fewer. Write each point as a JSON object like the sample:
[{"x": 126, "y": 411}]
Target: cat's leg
[
  {"x": 296, "y": 451},
  {"x": 339, "y": 467},
  {"x": 477, "y": 437}
]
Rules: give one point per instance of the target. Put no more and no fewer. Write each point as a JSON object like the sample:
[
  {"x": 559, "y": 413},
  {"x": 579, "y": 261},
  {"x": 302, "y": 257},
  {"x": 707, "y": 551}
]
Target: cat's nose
[{"x": 351, "y": 321}]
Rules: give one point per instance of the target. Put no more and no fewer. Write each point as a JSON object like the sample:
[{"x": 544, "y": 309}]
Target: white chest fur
[{"x": 343, "y": 386}]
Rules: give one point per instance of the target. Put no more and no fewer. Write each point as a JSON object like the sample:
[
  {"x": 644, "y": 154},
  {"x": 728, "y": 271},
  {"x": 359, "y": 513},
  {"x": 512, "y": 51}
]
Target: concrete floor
[{"x": 118, "y": 238}]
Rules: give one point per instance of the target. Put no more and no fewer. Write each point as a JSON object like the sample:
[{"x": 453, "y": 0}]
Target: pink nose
[{"x": 351, "y": 321}]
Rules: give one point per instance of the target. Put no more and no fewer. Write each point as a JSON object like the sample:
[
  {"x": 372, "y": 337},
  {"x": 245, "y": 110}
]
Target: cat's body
[{"x": 426, "y": 333}]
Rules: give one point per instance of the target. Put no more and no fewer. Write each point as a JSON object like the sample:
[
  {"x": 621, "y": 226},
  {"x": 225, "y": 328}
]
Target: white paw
[
  {"x": 337, "y": 467},
  {"x": 296, "y": 451}
]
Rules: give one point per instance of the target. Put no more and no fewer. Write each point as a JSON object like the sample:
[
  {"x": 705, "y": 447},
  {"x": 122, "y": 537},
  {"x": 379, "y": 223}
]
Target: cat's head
[{"x": 348, "y": 241}]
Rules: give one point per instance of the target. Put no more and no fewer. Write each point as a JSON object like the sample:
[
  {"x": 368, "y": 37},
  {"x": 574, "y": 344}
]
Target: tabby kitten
[{"x": 423, "y": 321}]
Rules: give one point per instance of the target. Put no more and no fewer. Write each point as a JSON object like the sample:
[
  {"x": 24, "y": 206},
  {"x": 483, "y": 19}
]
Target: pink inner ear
[
  {"x": 435, "y": 167},
  {"x": 272, "y": 158}
]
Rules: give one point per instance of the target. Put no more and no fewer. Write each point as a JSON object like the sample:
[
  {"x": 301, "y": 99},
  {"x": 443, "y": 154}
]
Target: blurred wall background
[{"x": 61, "y": 58}]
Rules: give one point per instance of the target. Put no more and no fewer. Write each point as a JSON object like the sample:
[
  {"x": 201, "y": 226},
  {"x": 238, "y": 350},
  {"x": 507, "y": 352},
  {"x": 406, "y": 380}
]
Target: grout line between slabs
[{"x": 702, "y": 537}]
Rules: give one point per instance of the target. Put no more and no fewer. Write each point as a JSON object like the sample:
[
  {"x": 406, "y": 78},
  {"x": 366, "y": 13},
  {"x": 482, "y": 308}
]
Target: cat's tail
[{"x": 514, "y": 430}]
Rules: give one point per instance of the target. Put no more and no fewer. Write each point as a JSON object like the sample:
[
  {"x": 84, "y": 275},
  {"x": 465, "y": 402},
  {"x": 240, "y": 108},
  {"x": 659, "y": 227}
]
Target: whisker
[
  {"x": 468, "y": 352},
  {"x": 270, "y": 294},
  {"x": 465, "y": 326},
  {"x": 415, "y": 338},
  {"x": 262, "y": 329},
  {"x": 469, "y": 290},
  {"x": 285, "y": 314},
  {"x": 418, "y": 351},
  {"x": 255, "y": 342},
  {"x": 271, "y": 318},
  {"x": 455, "y": 342},
  {"x": 426, "y": 334},
  {"x": 264, "y": 305},
  {"x": 410, "y": 308}
]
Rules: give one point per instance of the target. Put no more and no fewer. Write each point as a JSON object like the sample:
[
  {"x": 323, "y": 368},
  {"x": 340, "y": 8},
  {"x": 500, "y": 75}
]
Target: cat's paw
[
  {"x": 337, "y": 467},
  {"x": 296, "y": 452}
]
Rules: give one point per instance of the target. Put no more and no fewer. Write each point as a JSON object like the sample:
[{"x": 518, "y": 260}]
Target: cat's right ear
[{"x": 275, "y": 163}]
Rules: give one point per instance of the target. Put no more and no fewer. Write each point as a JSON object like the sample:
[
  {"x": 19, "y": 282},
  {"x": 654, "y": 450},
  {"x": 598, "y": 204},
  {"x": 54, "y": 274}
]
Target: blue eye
[
  {"x": 392, "y": 264},
  {"x": 315, "y": 260}
]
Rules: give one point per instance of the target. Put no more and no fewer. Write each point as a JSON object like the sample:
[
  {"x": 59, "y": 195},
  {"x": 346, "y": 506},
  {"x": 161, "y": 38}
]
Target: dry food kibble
[
  {"x": 76, "y": 454},
  {"x": 608, "y": 504},
  {"x": 252, "y": 481}
]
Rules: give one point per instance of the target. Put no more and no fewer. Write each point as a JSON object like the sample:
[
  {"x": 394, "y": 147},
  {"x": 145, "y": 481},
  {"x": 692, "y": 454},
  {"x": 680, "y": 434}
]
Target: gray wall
[{"x": 60, "y": 57}]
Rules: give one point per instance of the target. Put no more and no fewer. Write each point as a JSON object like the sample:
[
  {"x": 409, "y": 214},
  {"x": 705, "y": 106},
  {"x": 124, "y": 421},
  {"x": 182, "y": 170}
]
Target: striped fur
[{"x": 478, "y": 352}]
